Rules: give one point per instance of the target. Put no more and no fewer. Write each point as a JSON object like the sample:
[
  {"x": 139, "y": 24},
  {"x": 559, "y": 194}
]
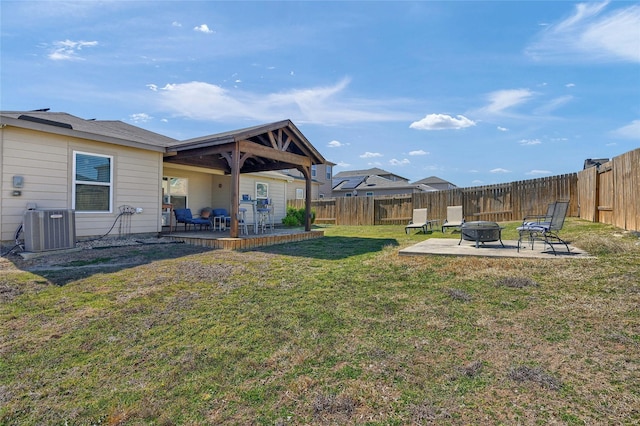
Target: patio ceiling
[{"x": 273, "y": 146}]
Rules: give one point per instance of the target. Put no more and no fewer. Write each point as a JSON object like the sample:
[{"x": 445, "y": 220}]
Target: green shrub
[{"x": 295, "y": 217}]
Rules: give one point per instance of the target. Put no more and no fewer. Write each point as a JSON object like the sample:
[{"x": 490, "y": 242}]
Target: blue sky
[{"x": 474, "y": 92}]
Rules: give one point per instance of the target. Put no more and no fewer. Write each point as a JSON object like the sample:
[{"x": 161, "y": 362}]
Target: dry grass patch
[
  {"x": 516, "y": 282},
  {"x": 524, "y": 373}
]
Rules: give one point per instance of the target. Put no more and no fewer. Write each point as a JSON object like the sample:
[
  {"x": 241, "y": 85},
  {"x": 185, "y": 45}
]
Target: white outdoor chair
[
  {"x": 419, "y": 220},
  {"x": 454, "y": 218}
]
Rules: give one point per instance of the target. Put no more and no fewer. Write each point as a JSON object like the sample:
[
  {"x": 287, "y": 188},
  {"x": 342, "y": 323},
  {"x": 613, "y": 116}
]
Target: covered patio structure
[{"x": 267, "y": 147}]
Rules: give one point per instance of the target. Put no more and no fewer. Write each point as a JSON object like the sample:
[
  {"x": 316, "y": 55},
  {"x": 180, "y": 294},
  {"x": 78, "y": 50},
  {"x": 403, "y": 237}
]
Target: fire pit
[{"x": 481, "y": 232}]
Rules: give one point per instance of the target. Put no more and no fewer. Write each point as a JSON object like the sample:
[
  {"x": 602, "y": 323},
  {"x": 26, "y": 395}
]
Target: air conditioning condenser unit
[{"x": 49, "y": 230}]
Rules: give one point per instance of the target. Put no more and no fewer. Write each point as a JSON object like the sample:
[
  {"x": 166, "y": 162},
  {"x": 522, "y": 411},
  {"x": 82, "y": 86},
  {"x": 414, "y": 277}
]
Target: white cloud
[
  {"x": 371, "y": 155},
  {"x": 442, "y": 122},
  {"x": 374, "y": 164},
  {"x": 501, "y": 100},
  {"x": 320, "y": 105},
  {"x": 592, "y": 34},
  {"x": 342, "y": 164},
  {"x": 176, "y": 24},
  {"x": 335, "y": 144},
  {"x": 419, "y": 152},
  {"x": 538, "y": 172},
  {"x": 554, "y": 104},
  {"x": 477, "y": 182},
  {"x": 570, "y": 85},
  {"x": 68, "y": 50},
  {"x": 140, "y": 117},
  {"x": 630, "y": 131},
  {"x": 529, "y": 142},
  {"x": 503, "y": 129},
  {"x": 152, "y": 87},
  {"x": 500, "y": 170},
  {"x": 402, "y": 162},
  {"x": 204, "y": 28}
]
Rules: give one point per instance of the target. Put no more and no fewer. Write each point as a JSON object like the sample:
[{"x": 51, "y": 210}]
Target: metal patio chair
[{"x": 546, "y": 231}]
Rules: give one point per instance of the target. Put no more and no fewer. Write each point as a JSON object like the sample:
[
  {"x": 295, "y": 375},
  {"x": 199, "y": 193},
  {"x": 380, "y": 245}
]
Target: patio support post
[
  {"x": 235, "y": 189},
  {"x": 306, "y": 172}
]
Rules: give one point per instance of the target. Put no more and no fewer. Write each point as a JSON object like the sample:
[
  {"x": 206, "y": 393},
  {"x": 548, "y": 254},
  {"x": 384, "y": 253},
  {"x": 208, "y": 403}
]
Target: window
[
  {"x": 299, "y": 194},
  {"x": 314, "y": 170},
  {"x": 369, "y": 194},
  {"x": 348, "y": 194},
  {"x": 92, "y": 182},
  {"x": 328, "y": 172},
  {"x": 175, "y": 191},
  {"x": 262, "y": 190}
]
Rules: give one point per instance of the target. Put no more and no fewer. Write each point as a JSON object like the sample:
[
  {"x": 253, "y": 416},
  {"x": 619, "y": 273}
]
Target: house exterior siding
[{"x": 46, "y": 162}]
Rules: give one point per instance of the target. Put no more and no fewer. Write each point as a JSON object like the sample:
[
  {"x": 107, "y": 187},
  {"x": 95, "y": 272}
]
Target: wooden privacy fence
[
  {"x": 610, "y": 195},
  {"x": 497, "y": 203}
]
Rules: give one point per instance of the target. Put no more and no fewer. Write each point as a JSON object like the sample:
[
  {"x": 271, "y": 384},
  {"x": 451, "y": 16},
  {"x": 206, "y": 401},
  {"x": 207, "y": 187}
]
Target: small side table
[{"x": 219, "y": 223}]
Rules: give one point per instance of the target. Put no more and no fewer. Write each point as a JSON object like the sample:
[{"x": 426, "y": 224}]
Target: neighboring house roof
[
  {"x": 369, "y": 183},
  {"x": 114, "y": 132},
  {"x": 368, "y": 172},
  {"x": 594, "y": 162},
  {"x": 433, "y": 180}
]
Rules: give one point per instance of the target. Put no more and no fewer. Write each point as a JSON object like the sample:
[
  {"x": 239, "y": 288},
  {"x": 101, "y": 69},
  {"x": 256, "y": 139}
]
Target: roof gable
[{"x": 273, "y": 146}]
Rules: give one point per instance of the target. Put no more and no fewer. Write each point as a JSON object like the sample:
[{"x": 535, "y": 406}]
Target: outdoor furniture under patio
[
  {"x": 420, "y": 220},
  {"x": 185, "y": 216},
  {"x": 546, "y": 231},
  {"x": 264, "y": 209},
  {"x": 454, "y": 218},
  {"x": 481, "y": 232},
  {"x": 242, "y": 220},
  {"x": 221, "y": 219}
]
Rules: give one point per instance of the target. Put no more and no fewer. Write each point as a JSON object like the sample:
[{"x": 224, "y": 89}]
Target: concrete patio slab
[{"x": 450, "y": 247}]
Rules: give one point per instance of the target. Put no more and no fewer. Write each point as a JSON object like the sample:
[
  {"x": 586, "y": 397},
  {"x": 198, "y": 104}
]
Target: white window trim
[{"x": 76, "y": 182}]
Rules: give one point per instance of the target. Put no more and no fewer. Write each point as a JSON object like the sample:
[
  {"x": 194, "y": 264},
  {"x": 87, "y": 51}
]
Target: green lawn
[{"x": 339, "y": 330}]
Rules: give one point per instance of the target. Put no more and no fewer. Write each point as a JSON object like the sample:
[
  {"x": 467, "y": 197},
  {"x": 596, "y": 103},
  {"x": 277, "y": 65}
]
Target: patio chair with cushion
[
  {"x": 185, "y": 216},
  {"x": 454, "y": 218},
  {"x": 542, "y": 219},
  {"x": 546, "y": 231},
  {"x": 419, "y": 220}
]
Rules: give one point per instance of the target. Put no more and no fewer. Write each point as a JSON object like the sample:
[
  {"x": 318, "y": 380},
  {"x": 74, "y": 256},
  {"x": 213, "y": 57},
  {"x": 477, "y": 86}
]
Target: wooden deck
[{"x": 222, "y": 240}]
